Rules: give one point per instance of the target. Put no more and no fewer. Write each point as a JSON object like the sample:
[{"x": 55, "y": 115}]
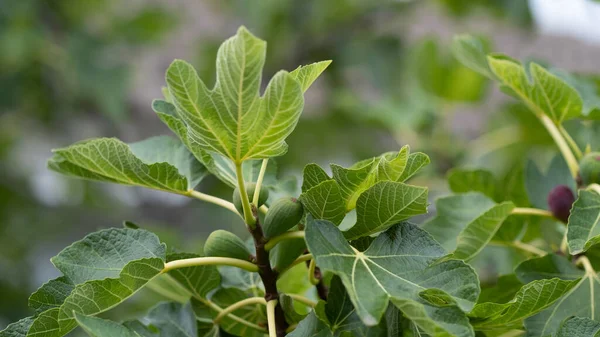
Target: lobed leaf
[
  {"x": 529, "y": 300},
  {"x": 547, "y": 94},
  {"x": 110, "y": 160},
  {"x": 232, "y": 119},
  {"x": 465, "y": 223},
  {"x": 397, "y": 267},
  {"x": 105, "y": 268},
  {"x": 580, "y": 300},
  {"x": 385, "y": 204},
  {"x": 325, "y": 201}
]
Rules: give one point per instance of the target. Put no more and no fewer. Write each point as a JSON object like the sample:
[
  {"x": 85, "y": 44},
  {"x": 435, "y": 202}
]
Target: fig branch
[{"x": 277, "y": 322}]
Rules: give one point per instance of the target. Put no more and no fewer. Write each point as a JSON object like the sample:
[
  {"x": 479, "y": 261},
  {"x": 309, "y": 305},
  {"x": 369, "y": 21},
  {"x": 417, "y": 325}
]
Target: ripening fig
[
  {"x": 222, "y": 243},
  {"x": 284, "y": 214},
  {"x": 560, "y": 201},
  {"x": 589, "y": 168},
  {"x": 250, "y": 187}
]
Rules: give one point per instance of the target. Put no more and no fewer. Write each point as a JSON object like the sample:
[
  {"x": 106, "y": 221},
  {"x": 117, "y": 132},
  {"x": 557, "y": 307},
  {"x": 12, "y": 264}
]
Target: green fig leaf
[
  {"x": 173, "y": 169},
  {"x": 579, "y": 327},
  {"x": 529, "y": 300},
  {"x": 385, "y": 204},
  {"x": 465, "y": 223},
  {"x": 398, "y": 267},
  {"x": 232, "y": 119},
  {"x": 581, "y": 300}
]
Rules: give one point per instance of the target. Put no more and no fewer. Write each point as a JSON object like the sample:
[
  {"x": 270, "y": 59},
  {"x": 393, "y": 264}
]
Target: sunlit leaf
[
  {"x": 325, "y": 201},
  {"x": 307, "y": 74},
  {"x": 544, "y": 94},
  {"x": 385, "y": 204},
  {"x": 232, "y": 119},
  {"x": 110, "y": 160}
]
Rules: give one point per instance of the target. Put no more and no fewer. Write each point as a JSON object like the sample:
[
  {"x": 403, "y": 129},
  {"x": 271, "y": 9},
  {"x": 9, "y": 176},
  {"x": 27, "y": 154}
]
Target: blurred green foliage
[{"x": 71, "y": 60}]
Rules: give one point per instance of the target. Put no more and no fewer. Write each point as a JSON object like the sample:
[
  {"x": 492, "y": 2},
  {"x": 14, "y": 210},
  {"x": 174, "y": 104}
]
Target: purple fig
[{"x": 560, "y": 200}]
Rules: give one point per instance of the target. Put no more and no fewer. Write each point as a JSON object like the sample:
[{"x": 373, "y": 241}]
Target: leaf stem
[
  {"x": 561, "y": 143},
  {"x": 237, "y": 305},
  {"x": 259, "y": 180},
  {"x": 532, "y": 211},
  {"x": 520, "y": 245},
  {"x": 271, "y": 317},
  {"x": 263, "y": 209},
  {"x": 300, "y": 259},
  {"x": 285, "y": 236},
  {"x": 240, "y": 320},
  {"x": 212, "y": 199},
  {"x": 594, "y": 187},
  {"x": 587, "y": 265},
  {"x": 571, "y": 141},
  {"x": 210, "y": 261},
  {"x": 303, "y": 300},
  {"x": 311, "y": 272},
  {"x": 529, "y": 248},
  {"x": 248, "y": 217},
  {"x": 205, "y": 301}
]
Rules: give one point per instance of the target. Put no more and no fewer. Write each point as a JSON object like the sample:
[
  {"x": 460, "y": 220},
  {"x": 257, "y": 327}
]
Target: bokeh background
[{"x": 75, "y": 69}]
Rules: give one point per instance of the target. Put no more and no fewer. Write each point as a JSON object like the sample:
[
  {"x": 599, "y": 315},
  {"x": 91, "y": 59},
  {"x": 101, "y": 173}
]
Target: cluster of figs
[{"x": 283, "y": 215}]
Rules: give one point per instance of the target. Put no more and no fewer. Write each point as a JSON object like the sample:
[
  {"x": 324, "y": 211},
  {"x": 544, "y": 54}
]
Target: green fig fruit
[
  {"x": 589, "y": 168},
  {"x": 250, "y": 187},
  {"x": 283, "y": 255},
  {"x": 284, "y": 214},
  {"x": 222, "y": 243}
]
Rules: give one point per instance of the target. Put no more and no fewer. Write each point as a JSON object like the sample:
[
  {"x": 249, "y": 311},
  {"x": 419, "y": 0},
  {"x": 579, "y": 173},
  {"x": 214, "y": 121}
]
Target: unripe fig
[
  {"x": 283, "y": 255},
  {"x": 589, "y": 168},
  {"x": 250, "y": 187},
  {"x": 284, "y": 214},
  {"x": 222, "y": 243},
  {"x": 560, "y": 201}
]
